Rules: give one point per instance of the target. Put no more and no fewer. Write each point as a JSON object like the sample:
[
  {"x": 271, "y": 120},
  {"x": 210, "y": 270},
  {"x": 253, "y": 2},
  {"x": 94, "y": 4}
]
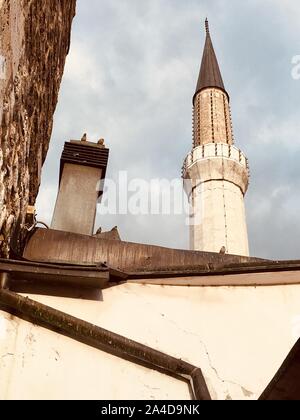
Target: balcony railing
[{"x": 215, "y": 150}]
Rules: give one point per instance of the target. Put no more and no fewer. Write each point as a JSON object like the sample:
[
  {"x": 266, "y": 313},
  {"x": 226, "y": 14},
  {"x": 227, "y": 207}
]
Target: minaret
[{"x": 217, "y": 169}]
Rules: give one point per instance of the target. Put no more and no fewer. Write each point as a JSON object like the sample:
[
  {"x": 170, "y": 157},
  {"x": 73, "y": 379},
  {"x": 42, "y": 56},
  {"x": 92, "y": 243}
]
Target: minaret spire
[{"x": 210, "y": 74}]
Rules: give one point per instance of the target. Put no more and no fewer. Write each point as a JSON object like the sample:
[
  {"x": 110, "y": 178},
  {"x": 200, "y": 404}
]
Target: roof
[
  {"x": 53, "y": 246},
  {"x": 210, "y": 74},
  {"x": 148, "y": 264},
  {"x": 286, "y": 383},
  {"x": 40, "y": 277}
]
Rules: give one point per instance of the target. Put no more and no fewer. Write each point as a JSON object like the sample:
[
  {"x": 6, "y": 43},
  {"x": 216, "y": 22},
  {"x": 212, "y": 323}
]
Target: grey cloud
[{"x": 130, "y": 78}]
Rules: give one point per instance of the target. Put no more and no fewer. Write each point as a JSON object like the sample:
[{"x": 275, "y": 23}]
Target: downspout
[
  {"x": 4, "y": 278},
  {"x": 102, "y": 339}
]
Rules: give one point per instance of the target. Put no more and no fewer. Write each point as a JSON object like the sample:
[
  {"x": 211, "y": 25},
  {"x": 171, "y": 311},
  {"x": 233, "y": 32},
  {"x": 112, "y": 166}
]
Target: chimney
[{"x": 83, "y": 164}]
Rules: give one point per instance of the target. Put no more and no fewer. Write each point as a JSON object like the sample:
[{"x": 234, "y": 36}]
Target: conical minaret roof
[{"x": 210, "y": 74}]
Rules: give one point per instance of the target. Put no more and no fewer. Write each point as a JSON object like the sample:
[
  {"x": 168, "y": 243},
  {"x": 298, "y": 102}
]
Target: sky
[{"x": 130, "y": 77}]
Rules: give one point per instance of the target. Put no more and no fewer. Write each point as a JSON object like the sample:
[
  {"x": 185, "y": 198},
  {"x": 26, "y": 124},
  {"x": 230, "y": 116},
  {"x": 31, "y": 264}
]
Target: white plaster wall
[
  {"x": 239, "y": 336},
  {"x": 220, "y": 218},
  {"x": 38, "y": 364},
  {"x": 219, "y": 175}
]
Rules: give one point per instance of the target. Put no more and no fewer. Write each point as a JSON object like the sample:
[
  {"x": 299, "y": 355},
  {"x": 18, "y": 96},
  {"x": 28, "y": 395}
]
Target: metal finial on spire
[
  {"x": 210, "y": 75},
  {"x": 206, "y": 26}
]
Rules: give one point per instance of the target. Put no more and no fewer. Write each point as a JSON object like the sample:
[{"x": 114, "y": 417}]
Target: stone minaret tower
[{"x": 218, "y": 170}]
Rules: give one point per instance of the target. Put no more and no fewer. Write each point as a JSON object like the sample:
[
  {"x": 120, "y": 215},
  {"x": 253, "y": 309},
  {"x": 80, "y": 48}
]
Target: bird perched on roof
[
  {"x": 223, "y": 250},
  {"x": 101, "y": 142},
  {"x": 84, "y": 137}
]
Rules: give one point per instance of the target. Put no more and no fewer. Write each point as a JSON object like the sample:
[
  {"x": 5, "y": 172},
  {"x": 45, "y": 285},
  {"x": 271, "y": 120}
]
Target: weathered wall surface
[
  {"x": 65, "y": 369},
  {"x": 239, "y": 336},
  {"x": 212, "y": 118},
  {"x": 35, "y": 39},
  {"x": 220, "y": 218},
  {"x": 74, "y": 214}
]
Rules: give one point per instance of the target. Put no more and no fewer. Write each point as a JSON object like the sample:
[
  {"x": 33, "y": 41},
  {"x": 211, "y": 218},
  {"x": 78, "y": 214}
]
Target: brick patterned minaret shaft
[
  {"x": 218, "y": 171},
  {"x": 212, "y": 118}
]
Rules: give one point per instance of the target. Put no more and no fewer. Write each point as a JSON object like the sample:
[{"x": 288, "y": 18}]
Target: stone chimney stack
[
  {"x": 217, "y": 170},
  {"x": 83, "y": 165}
]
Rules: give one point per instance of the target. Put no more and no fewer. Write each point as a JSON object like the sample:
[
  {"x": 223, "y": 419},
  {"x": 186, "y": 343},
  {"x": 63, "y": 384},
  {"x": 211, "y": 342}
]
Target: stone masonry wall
[{"x": 34, "y": 43}]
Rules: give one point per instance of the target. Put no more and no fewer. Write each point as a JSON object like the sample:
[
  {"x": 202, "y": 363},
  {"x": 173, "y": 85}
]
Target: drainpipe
[{"x": 4, "y": 281}]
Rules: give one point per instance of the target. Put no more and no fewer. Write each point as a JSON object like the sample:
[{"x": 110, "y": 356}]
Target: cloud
[{"x": 130, "y": 78}]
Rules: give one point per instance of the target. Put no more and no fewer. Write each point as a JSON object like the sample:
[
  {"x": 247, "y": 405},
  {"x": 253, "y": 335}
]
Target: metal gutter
[
  {"x": 218, "y": 269},
  {"x": 57, "y": 274},
  {"x": 104, "y": 340},
  {"x": 267, "y": 273}
]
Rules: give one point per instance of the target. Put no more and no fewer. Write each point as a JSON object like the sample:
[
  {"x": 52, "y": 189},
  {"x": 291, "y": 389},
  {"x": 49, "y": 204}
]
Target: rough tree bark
[{"x": 34, "y": 43}]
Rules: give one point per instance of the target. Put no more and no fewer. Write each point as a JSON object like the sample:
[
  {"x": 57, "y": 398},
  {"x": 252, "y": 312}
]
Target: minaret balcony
[{"x": 217, "y": 161}]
